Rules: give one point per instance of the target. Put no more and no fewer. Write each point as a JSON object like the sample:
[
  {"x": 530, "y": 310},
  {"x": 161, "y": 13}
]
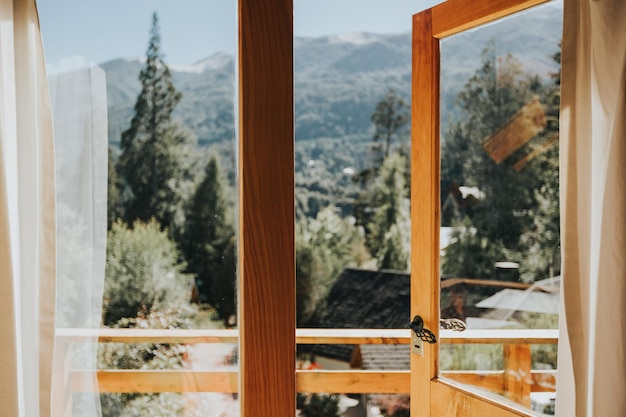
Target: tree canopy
[
  {"x": 155, "y": 163},
  {"x": 509, "y": 202}
]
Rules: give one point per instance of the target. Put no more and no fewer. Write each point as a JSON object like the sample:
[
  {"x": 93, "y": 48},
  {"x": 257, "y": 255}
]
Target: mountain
[
  {"x": 207, "y": 105},
  {"x": 338, "y": 79}
]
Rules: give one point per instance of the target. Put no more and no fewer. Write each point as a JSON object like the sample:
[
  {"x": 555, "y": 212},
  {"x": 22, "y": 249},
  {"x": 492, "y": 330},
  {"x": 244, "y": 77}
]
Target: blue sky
[{"x": 100, "y": 30}]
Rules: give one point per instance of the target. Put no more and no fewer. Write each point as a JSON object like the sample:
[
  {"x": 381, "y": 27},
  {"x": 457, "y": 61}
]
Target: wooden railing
[{"x": 516, "y": 381}]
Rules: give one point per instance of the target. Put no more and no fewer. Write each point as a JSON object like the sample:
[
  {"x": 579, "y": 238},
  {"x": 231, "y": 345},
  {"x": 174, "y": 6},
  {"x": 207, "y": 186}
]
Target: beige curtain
[
  {"x": 27, "y": 216},
  {"x": 592, "y": 351}
]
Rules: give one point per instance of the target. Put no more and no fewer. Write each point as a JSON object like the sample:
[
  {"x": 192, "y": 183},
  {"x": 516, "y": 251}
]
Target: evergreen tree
[
  {"x": 390, "y": 119},
  {"x": 114, "y": 198},
  {"x": 155, "y": 162},
  {"x": 388, "y": 231},
  {"x": 324, "y": 247},
  {"x": 208, "y": 242},
  {"x": 491, "y": 229}
]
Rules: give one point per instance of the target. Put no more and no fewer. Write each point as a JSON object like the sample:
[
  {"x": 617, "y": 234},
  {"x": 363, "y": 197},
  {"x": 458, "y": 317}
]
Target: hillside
[
  {"x": 338, "y": 81},
  {"x": 339, "y": 78}
]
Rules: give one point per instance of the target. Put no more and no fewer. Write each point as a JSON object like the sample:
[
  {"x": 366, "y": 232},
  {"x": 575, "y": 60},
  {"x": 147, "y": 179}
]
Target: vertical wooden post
[
  {"x": 517, "y": 373},
  {"x": 424, "y": 205},
  {"x": 267, "y": 212}
]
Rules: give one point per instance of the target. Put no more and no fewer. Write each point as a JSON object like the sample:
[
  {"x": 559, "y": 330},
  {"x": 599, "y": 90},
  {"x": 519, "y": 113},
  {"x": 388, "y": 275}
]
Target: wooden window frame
[
  {"x": 266, "y": 195},
  {"x": 430, "y": 395}
]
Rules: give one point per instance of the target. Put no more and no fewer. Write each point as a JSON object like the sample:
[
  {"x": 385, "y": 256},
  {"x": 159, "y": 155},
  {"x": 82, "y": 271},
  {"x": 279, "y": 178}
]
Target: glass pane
[
  {"x": 352, "y": 89},
  {"x": 500, "y": 255},
  {"x": 143, "y": 103}
]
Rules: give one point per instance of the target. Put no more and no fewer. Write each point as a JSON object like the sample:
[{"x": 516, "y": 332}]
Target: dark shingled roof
[
  {"x": 386, "y": 357},
  {"x": 364, "y": 299}
]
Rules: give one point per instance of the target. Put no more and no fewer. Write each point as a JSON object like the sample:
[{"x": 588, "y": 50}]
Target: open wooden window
[{"x": 431, "y": 394}]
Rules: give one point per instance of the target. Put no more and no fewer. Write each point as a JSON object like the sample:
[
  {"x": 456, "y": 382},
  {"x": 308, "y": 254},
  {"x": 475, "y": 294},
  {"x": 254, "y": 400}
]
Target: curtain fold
[
  {"x": 27, "y": 216},
  {"x": 592, "y": 365},
  {"x": 79, "y": 106}
]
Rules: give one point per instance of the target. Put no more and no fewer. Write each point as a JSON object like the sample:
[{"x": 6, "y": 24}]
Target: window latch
[{"x": 419, "y": 335}]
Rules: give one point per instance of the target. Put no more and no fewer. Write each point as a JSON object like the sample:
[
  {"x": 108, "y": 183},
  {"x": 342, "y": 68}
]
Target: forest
[{"x": 172, "y": 243}]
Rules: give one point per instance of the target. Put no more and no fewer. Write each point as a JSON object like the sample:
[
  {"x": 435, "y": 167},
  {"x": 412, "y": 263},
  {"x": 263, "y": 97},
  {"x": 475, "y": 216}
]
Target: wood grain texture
[
  {"x": 187, "y": 381},
  {"x": 449, "y": 400},
  {"x": 489, "y": 380},
  {"x": 380, "y": 382},
  {"x": 454, "y": 16},
  {"x": 155, "y": 381},
  {"x": 517, "y": 376},
  {"x": 266, "y": 200},
  {"x": 424, "y": 203},
  {"x": 540, "y": 380},
  {"x": 430, "y": 397}
]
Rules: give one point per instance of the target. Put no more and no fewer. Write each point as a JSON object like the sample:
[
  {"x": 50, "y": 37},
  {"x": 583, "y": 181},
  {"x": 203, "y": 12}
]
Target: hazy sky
[{"x": 99, "y": 30}]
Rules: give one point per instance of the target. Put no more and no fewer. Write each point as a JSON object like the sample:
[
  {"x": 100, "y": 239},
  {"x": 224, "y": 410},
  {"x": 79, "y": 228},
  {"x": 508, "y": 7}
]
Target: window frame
[{"x": 432, "y": 396}]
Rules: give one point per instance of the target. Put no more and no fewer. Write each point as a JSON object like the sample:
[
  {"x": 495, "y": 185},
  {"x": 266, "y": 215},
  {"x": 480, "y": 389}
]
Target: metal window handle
[
  {"x": 457, "y": 325},
  {"x": 417, "y": 325},
  {"x": 419, "y": 335}
]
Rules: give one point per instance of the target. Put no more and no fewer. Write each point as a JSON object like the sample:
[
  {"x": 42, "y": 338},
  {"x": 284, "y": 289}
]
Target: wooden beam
[
  {"x": 354, "y": 381},
  {"x": 353, "y": 336},
  {"x": 345, "y": 382},
  {"x": 450, "y": 282},
  {"x": 173, "y": 336},
  {"x": 450, "y": 399},
  {"x": 155, "y": 381},
  {"x": 490, "y": 380},
  {"x": 267, "y": 216},
  {"x": 312, "y": 336},
  {"x": 501, "y": 336},
  {"x": 517, "y": 375},
  {"x": 455, "y": 16},
  {"x": 424, "y": 203}
]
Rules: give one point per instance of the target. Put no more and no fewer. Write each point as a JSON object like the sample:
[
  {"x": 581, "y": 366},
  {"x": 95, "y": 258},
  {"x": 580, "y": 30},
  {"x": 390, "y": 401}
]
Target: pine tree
[
  {"x": 155, "y": 162},
  {"x": 390, "y": 118},
  {"x": 387, "y": 237},
  {"x": 208, "y": 242},
  {"x": 114, "y": 198},
  {"x": 492, "y": 228}
]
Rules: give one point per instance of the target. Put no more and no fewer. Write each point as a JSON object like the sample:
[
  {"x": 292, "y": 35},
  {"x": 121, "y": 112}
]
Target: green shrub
[{"x": 143, "y": 272}]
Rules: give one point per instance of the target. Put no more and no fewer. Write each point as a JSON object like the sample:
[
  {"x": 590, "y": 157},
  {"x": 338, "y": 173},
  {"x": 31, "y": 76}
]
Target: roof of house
[
  {"x": 364, "y": 299},
  {"x": 387, "y": 357}
]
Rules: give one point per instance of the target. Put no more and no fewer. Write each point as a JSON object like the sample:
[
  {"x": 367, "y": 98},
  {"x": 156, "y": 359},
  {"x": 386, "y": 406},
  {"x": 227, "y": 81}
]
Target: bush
[{"x": 143, "y": 272}]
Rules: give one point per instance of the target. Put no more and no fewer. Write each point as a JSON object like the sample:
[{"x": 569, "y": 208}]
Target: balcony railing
[{"x": 516, "y": 381}]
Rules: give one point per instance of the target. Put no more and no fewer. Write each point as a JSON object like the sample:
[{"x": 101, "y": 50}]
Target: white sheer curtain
[
  {"x": 32, "y": 253},
  {"x": 79, "y": 107},
  {"x": 27, "y": 216},
  {"x": 592, "y": 349}
]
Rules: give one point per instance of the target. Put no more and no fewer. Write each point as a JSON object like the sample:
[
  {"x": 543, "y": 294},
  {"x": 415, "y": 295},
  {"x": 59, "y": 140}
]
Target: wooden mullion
[{"x": 267, "y": 218}]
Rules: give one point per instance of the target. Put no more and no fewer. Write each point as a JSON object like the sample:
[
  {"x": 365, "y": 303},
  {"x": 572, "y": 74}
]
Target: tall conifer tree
[
  {"x": 155, "y": 162},
  {"x": 208, "y": 242}
]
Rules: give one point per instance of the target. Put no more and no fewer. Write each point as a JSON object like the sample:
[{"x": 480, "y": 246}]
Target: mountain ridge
[{"x": 338, "y": 79}]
